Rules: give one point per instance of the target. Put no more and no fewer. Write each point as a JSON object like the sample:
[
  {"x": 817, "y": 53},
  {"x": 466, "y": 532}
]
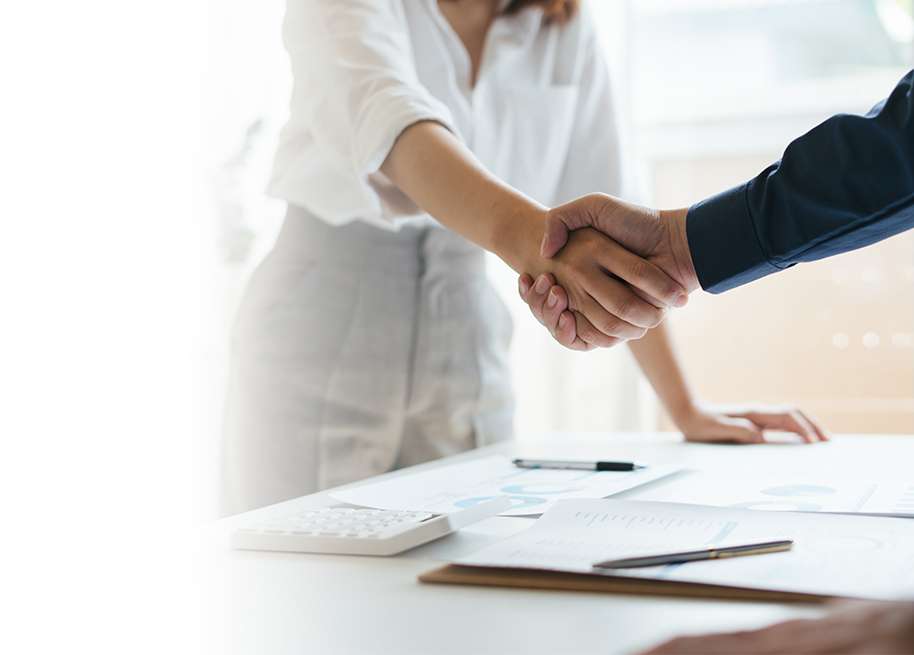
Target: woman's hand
[
  {"x": 746, "y": 425},
  {"x": 548, "y": 302}
]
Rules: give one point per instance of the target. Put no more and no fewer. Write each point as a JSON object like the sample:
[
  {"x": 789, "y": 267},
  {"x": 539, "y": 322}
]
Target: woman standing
[{"x": 370, "y": 338}]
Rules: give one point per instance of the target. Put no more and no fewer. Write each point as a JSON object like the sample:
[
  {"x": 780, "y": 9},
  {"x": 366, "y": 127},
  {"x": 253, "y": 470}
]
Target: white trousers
[{"x": 357, "y": 351}]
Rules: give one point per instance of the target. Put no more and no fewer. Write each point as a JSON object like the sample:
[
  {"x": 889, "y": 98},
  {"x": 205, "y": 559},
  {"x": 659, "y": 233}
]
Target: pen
[
  {"x": 720, "y": 552},
  {"x": 577, "y": 466}
]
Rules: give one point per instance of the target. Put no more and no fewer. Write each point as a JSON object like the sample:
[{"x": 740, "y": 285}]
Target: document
[
  {"x": 806, "y": 494},
  {"x": 857, "y": 557},
  {"x": 532, "y": 491}
]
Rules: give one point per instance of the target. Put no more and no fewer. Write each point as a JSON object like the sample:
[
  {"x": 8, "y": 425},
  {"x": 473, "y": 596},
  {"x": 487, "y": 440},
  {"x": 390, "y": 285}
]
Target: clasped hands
[{"x": 641, "y": 267}]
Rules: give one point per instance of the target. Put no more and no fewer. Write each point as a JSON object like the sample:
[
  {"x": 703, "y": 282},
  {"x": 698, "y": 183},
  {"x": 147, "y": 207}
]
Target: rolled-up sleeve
[
  {"x": 845, "y": 184},
  {"x": 355, "y": 91}
]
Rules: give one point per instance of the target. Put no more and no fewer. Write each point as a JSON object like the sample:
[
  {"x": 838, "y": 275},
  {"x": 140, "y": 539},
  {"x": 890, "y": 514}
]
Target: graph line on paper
[{"x": 462, "y": 485}]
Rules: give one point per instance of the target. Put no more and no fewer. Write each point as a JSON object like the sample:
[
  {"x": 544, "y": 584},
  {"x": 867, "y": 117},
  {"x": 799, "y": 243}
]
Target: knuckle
[
  {"x": 611, "y": 326},
  {"x": 655, "y": 317},
  {"x": 625, "y": 308},
  {"x": 592, "y": 335},
  {"x": 563, "y": 335},
  {"x": 586, "y": 331},
  {"x": 638, "y": 269}
]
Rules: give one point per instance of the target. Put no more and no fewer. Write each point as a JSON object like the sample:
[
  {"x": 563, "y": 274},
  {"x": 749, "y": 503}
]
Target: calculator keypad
[{"x": 345, "y": 522}]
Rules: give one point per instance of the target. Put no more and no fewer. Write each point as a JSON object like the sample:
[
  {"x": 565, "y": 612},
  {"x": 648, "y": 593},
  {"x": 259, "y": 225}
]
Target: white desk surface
[{"x": 282, "y": 603}]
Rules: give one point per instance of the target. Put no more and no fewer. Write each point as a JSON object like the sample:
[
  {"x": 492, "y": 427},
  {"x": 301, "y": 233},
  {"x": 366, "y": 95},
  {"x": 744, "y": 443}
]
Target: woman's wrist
[
  {"x": 517, "y": 234},
  {"x": 682, "y": 411}
]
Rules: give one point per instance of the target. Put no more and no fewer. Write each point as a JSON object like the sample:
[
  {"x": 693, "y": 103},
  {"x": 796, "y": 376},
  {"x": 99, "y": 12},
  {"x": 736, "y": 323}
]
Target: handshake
[{"x": 612, "y": 270}]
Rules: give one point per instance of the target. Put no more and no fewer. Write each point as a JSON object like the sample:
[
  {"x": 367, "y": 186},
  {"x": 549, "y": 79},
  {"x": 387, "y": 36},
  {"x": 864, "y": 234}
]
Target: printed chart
[
  {"x": 785, "y": 494},
  {"x": 456, "y": 487}
]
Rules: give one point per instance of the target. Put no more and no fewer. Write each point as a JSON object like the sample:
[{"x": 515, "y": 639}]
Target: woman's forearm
[
  {"x": 657, "y": 358},
  {"x": 431, "y": 166}
]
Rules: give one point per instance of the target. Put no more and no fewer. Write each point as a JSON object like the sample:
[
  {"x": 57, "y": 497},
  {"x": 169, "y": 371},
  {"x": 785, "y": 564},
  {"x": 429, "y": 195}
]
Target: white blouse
[{"x": 540, "y": 116}]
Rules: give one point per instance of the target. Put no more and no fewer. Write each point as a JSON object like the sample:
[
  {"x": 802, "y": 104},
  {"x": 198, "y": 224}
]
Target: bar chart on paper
[{"x": 531, "y": 491}]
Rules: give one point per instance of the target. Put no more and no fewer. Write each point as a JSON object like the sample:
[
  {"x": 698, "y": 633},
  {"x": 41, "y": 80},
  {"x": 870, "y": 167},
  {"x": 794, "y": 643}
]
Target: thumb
[
  {"x": 555, "y": 235},
  {"x": 573, "y": 215}
]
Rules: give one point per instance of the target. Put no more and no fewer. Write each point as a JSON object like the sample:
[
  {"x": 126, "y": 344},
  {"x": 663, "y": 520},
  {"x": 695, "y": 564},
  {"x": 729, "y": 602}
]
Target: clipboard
[{"x": 558, "y": 581}]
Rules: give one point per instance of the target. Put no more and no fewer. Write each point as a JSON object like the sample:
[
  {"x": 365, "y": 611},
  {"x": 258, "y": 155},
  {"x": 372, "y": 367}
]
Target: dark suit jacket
[{"x": 845, "y": 184}]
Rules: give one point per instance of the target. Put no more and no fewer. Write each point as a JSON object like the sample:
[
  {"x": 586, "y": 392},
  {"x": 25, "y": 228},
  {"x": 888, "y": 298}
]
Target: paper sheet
[
  {"x": 851, "y": 556},
  {"x": 809, "y": 494},
  {"x": 532, "y": 491}
]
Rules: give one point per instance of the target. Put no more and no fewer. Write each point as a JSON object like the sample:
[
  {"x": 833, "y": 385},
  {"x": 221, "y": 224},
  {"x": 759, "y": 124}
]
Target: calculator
[{"x": 359, "y": 531}]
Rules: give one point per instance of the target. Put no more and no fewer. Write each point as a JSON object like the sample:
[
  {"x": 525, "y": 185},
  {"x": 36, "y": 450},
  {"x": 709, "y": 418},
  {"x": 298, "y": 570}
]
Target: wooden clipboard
[{"x": 558, "y": 581}]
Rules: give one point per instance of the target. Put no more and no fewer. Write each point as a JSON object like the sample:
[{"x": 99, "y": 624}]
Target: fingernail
[
  {"x": 552, "y": 299},
  {"x": 563, "y": 321},
  {"x": 681, "y": 300},
  {"x": 542, "y": 284},
  {"x": 524, "y": 286}
]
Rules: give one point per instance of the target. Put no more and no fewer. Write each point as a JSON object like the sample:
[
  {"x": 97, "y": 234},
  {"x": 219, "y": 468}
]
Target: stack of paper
[{"x": 860, "y": 557}]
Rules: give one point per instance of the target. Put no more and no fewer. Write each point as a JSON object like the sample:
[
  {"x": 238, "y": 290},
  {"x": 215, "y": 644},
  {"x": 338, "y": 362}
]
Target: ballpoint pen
[
  {"x": 577, "y": 465},
  {"x": 714, "y": 552}
]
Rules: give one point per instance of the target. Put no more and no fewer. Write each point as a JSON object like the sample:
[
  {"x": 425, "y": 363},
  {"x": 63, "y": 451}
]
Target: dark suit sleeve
[{"x": 845, "y": 184}]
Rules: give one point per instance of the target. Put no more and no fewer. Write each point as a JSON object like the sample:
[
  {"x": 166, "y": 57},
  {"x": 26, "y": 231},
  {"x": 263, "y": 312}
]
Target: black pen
[{"x": 576, "y": 465}]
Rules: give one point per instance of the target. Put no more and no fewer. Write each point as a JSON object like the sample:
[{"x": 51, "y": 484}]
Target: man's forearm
[{"x": 845, "y": 184}]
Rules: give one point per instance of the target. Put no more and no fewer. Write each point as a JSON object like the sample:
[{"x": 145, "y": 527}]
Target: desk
[{"x": 282, "y": 603}]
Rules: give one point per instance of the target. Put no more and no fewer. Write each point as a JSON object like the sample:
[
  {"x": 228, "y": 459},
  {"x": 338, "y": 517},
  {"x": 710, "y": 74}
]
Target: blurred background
[{"x": 710, "y": 92}]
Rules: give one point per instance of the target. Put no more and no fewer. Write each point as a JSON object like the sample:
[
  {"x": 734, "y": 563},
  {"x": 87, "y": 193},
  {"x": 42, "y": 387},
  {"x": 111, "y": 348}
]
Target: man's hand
[
  {"x": 596, "y": 274},
  {"x": 857, "y": 629},
  {"x": 658, "y": 237}
]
